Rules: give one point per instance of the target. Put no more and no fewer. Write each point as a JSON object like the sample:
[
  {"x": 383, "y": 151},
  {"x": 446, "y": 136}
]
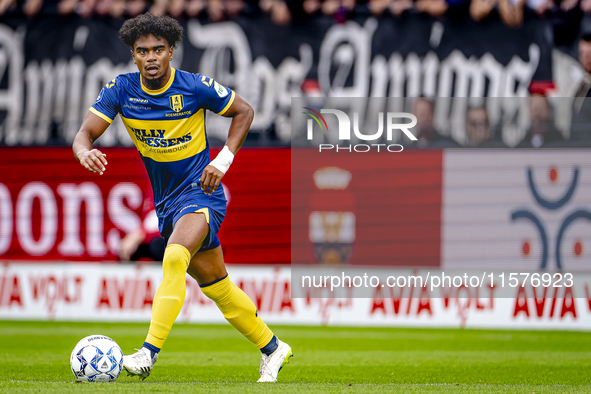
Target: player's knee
[{"x": 175, "y": 262}]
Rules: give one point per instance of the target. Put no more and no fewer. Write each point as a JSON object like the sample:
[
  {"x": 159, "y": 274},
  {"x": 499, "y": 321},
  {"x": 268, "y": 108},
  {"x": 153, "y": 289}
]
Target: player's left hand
[{"x": 211, "y": 179}]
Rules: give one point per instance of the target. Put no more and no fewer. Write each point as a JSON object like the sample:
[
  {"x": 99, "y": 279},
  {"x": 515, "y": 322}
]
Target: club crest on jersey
[{"x": 177, "y": 102}]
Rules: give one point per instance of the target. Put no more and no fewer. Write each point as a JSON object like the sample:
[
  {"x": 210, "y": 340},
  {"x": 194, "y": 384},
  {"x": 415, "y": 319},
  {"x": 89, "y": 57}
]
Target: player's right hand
[{"x": 93, "y": 160}]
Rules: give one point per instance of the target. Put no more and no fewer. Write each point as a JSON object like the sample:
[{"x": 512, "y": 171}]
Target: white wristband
[{"x": 223, "y": 160}]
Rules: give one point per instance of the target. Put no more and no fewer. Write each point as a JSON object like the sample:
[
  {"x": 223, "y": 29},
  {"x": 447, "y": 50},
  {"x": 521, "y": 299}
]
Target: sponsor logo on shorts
[{"x": 189, "y": 206}]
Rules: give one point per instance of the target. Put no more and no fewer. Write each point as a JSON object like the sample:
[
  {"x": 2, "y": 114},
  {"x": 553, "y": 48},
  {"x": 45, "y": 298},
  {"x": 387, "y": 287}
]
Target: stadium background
[{"x": 60, "y": 227}]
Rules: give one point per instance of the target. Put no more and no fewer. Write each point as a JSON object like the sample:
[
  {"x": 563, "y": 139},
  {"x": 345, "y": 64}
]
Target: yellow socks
[
  {"x": 239, "y": 310},
  {"x": 170, "y": 296}
]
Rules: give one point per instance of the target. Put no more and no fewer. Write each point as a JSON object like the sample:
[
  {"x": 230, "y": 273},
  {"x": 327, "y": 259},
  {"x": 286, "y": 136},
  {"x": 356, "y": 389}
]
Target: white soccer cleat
[
  {"x": 271, "y": 365},
  {"x": 140, "y": 363}
]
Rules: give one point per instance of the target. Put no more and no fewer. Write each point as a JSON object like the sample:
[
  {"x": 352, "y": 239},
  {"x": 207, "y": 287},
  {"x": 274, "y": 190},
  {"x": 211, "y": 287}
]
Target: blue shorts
[{"x": 214, "y": 208}]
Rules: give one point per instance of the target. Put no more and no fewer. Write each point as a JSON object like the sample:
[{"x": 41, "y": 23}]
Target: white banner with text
[{"x": 117, "y": 292}]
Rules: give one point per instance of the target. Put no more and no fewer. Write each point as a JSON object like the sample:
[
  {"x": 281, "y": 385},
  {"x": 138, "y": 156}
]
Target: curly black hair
[{"x": 160, "y": 26}]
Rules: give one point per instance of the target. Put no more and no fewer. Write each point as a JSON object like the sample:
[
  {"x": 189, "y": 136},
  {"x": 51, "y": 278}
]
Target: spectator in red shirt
[{"x": 145, "y": 241}]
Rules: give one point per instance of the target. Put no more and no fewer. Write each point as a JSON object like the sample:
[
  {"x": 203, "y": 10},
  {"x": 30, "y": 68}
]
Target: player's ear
[
  {"x": 170, "y": 56},
  {"x": 133, "y": 56}
]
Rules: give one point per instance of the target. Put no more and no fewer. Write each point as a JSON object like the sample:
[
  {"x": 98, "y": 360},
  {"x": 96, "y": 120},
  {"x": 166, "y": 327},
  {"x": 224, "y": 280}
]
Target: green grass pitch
[{"x": 34, "y": 357}]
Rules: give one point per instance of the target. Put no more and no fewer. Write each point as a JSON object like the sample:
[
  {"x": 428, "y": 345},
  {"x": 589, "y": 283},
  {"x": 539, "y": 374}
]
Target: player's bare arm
[
  {"x": 92, "y": 159},
  {"x": 242, "y": 115}
]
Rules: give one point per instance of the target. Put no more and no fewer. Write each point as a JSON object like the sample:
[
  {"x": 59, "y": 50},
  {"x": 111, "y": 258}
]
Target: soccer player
[{"x": 163, "y": 110}]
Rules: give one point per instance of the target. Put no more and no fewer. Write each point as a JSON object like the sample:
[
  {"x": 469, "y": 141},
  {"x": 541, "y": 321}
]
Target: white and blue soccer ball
[{"x": 96, "y": 358}]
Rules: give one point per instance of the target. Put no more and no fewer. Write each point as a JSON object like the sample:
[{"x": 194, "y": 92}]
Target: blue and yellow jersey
[{"x": 168, "y": 128}]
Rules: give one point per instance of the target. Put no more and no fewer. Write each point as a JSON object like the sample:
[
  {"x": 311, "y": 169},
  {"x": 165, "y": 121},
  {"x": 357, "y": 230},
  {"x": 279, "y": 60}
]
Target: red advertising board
[
  {"x": 53, "y": 209},
  {"x": 380, "y": 209}
]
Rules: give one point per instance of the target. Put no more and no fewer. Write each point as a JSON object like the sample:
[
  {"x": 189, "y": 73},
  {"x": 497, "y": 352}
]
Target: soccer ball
[{"x": 96, "y": 358}]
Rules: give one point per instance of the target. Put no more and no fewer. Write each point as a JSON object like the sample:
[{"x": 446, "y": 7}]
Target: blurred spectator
[
  {"x": 176, "y": 8},
  {"x": 86, "y": 8},
  {"x": 278, "y": 10},
  {"x": 6, "y": 5},
  {"x": 145, "y": 241},
  {"x": 340, "y": 9},
  {"x": 480, "y": 9},
  {"x": 219, "y": 10},
  {"x": 66, "y": 7},
  {"x": 542, "y": 131},
  {"x": 425, "y": 130},
  {"x": 397, "y": 7},
  {"x": 565, "y": 14},
  {"x": 194, "y": 7},
  {"x": 581, "y": 121},
  {"x": 159, "y": 7},
  {"x": 32, "y": 7},
  {"x": 266, "y": 5},
  {"x": 511, "y": 12},
  {"x": 215, "y": 10},
  {"x": 330, "y": 7},
  {"x": 280, "y": 13},
  {"x": 432, "y": 7},
  {"x": 311, "y": 7},
  {"x": 377, "y": 7},
  {"x": 113, "y": 8},
  {"x": 233, "y": 8},
  {"x": 540, "y": 6},
  {"x": 585, "y": 61},
  {"x": 135, "y": 7},
  {"x": 478, "y": 130},
  {"x": 567, "y": 5}
]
